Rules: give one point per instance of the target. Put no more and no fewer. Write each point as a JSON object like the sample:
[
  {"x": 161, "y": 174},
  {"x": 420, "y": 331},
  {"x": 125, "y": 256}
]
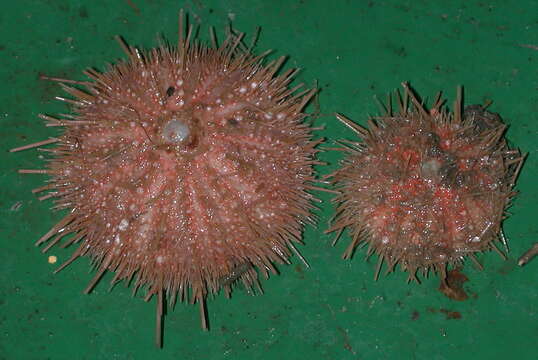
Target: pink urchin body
[
  {"x": 426, "y": 188},
  {"x": 182, "y": 166}
]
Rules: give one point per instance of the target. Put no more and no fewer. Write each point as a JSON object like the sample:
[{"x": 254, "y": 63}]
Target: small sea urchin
[
  {"x": 185, "y": 169},
  {"x": 425, "y": 188}
]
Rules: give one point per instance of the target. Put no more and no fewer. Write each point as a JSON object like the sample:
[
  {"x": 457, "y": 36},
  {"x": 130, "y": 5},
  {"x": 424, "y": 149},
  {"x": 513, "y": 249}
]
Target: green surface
[{"x": 354, "y": 51}]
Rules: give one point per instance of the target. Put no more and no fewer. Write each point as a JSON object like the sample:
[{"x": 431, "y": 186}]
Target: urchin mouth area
[{"x": 180, "y": 130}]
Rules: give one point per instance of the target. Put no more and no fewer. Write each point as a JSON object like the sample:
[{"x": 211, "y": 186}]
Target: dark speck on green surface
[
  {"x": 332, "y": 310},
  {"x": 83, "y": 12},
  {"x": 507, "y": 267},
  {"x": 299, "y": 269}
]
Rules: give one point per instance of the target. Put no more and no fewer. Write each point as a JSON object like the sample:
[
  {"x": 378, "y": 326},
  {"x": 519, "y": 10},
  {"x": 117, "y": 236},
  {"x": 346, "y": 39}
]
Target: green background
[{"x": 354, "y": 51}]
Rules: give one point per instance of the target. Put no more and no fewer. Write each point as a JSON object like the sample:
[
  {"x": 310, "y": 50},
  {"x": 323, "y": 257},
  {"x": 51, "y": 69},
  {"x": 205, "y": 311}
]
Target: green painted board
[{"x": 354, "y": 51}]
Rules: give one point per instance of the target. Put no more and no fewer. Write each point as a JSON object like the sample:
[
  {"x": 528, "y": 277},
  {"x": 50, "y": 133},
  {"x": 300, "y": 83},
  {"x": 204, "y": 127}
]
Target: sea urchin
[
  {"x": 183, "y": 168},
  {"x": 425, "y": 188}
]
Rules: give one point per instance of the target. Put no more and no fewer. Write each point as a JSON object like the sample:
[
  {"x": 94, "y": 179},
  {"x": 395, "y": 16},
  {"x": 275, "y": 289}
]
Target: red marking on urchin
[
  {"x": 186, "y": 168},
  {"x": 425, "y": 188}
]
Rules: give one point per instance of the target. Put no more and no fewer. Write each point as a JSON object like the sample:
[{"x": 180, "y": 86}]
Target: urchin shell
[
  {"x": 425, "y": 188},
  {"x": 185, "y": 168}
]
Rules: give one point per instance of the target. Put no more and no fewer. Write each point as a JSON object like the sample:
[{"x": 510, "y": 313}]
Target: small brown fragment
[
  {"x": 451, "y": 315},
  {"x": 452, "y": 287}
]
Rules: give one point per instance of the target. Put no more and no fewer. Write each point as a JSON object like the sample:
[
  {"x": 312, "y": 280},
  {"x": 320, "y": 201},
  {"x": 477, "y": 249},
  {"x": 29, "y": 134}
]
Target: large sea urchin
[
  {"x": 184, "y": 168},
  {"x": 425, "y": 188}
]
